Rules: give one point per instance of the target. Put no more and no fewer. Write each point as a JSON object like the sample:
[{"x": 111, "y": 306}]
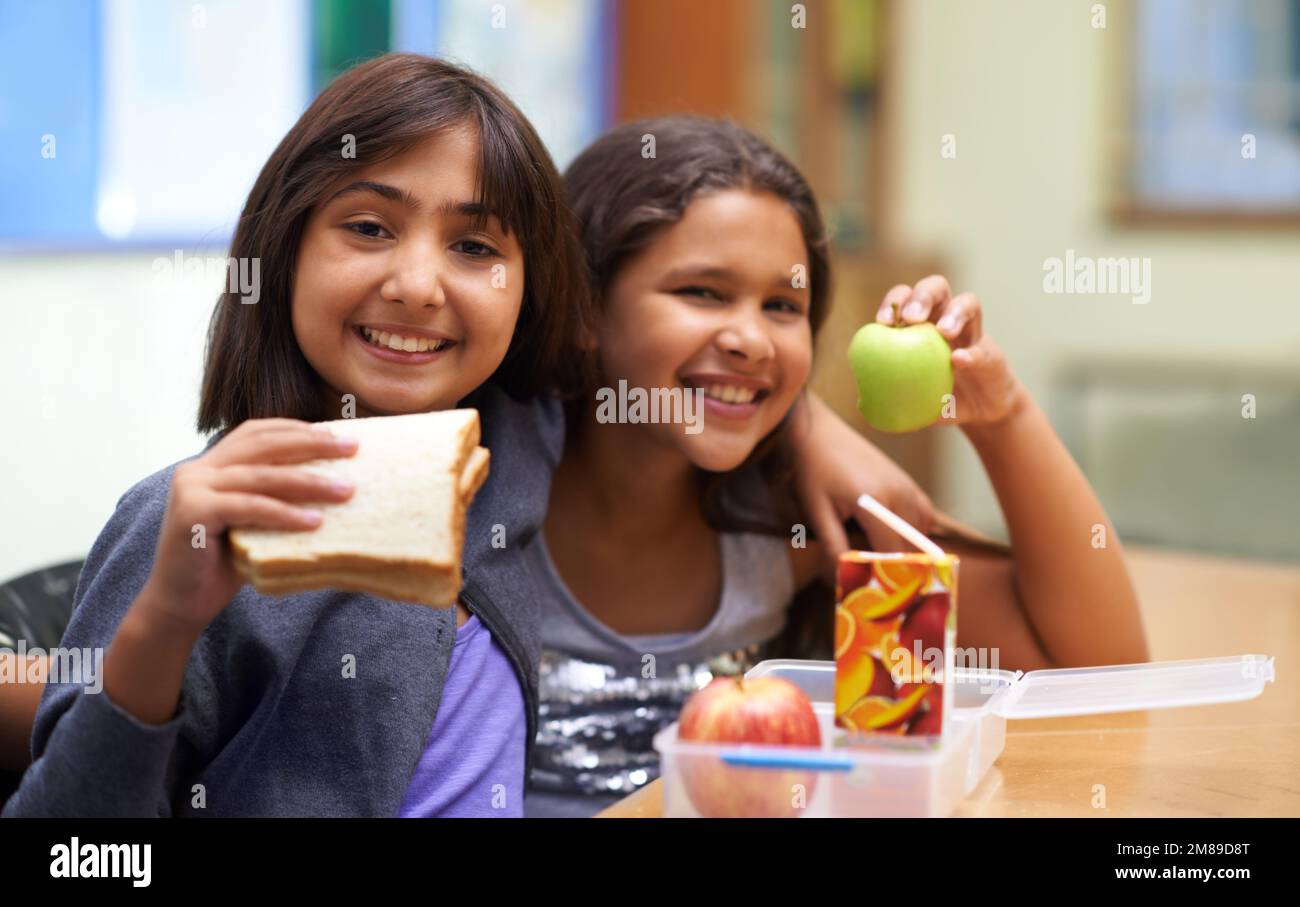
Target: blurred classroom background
[{"x": 980, "y": 140}]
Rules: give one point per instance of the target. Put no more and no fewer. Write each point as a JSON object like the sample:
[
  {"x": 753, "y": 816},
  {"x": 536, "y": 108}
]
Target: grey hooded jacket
[{"x": 268, "y": 724}]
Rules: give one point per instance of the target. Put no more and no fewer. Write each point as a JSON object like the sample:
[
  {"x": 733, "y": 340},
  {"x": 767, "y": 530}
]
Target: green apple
[{"x": 903, "y": 374}]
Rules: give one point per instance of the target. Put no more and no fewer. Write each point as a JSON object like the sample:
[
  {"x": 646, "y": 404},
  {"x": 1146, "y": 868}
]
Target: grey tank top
[{"x": 605, "y": 695}]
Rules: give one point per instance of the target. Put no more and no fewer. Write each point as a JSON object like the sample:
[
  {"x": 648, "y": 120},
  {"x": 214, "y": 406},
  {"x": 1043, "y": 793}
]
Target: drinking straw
[{"x": 900, "y": 525}]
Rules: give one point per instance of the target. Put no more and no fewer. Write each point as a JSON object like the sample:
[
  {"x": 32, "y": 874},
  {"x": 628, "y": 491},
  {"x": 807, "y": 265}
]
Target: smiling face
[
  {"x": 709, "y": 304},
  {"x": 399, "y": 297}
]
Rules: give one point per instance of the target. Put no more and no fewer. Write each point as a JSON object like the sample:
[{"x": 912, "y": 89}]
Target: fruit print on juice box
[{"x": 895, "y": 632}]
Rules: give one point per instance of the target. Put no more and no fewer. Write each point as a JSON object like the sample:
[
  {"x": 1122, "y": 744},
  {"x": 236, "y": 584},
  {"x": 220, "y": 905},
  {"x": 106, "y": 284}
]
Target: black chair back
[{"x": 35, "y": 607}]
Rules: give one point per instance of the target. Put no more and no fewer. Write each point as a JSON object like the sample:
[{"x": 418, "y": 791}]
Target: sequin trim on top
[{"x": 597, "y": 722}]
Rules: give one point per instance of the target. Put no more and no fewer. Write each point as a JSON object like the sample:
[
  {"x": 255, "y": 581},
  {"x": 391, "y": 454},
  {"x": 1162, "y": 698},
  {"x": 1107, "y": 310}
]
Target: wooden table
[{"x": 1235, "y": 759}]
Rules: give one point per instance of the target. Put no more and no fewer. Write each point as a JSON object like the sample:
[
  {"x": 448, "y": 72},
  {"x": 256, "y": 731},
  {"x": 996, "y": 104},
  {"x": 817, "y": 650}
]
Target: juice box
[{"x": 895, "y": 634}]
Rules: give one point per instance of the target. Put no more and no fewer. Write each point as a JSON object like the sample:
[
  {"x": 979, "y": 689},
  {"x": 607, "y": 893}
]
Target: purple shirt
[{"x": 473, "y": 764}]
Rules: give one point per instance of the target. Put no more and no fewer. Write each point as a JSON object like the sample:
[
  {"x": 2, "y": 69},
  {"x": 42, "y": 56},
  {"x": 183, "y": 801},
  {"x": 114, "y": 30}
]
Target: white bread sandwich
[{"x": 399, "y": 536}]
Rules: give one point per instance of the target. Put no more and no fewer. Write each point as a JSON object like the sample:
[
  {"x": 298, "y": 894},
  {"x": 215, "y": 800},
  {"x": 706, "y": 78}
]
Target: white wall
[
  {"x": 101, "y": 358},
  {"x": 1027, "y": 88}
]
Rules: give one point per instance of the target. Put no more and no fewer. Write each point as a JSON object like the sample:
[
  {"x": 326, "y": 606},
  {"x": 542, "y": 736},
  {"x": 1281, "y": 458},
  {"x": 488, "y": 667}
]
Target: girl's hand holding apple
[{"x": 985, "y": 390}]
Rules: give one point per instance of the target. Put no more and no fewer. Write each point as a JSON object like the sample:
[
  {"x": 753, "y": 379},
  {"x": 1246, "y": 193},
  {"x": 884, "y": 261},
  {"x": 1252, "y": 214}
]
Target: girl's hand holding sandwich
[{"x": 246, "y": 479}]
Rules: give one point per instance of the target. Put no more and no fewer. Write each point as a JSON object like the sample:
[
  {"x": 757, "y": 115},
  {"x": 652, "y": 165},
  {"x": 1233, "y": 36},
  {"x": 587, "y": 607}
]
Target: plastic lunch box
[{"x": 860, "y": 782}]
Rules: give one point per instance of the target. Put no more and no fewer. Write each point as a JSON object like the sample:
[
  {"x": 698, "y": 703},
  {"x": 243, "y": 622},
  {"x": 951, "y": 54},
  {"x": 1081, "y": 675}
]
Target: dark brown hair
[
  {"x": 254, "y": 367},
  {"x": 623, "y": 198}
]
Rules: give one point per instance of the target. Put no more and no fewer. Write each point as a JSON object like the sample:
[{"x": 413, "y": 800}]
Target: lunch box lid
[
  {"x": 1065, "y": 692},
  {"x": 1062, "y": 692}
]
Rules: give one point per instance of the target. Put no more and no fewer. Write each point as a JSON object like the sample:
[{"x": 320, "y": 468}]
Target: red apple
[{"x": 765, "y": 710}]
